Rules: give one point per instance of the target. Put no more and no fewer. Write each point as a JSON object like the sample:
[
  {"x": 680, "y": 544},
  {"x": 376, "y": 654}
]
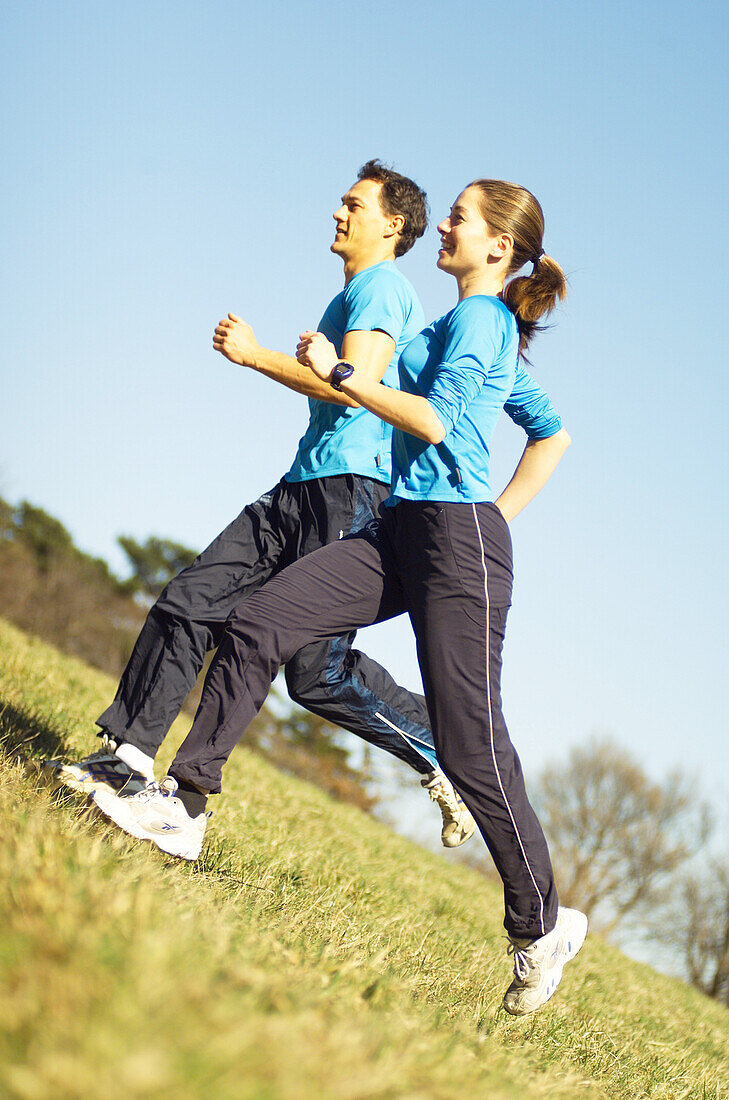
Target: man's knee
[
  {"x": 305, "y": 681},
  {"x": 177, "y": 599}
]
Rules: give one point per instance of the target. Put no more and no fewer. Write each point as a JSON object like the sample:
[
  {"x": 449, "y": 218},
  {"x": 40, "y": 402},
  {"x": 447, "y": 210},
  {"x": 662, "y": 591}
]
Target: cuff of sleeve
[
  {"x": 363, "y": 326},
  {"x": 545, "y": 431}
]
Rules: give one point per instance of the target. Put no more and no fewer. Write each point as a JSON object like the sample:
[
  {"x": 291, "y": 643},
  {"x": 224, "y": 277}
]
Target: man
[{"x": 338, "y": 482}]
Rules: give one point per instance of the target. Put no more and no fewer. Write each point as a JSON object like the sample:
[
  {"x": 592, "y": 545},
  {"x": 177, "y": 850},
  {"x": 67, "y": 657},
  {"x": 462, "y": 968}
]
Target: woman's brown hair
[{"x": 508, "y": 208}]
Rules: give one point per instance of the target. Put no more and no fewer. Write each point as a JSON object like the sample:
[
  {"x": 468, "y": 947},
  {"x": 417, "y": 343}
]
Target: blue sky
[{"x": 166, "y": 162}]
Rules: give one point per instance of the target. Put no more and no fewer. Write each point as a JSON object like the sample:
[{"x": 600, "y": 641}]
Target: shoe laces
[
  {"x": 446, "y": 797},
  {"x": 164, "y": 788},
  {"x": 107, "y": 749},
  {"x": 523, "y": 963},
  {"x": 109, "y": 744}
]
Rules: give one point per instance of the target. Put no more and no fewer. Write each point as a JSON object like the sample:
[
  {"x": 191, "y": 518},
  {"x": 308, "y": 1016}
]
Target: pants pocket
[{"x": 481, "y": 549}]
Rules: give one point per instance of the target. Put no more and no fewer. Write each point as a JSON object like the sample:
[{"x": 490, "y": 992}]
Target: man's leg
[
  {"x": 348, "y": 689},
  {"x": 188, "y": 620}
]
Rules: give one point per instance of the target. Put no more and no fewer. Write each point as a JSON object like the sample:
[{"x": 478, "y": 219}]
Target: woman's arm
[
  {"x": 406, "y": 411},
  {"x": 535, "y": 468}
]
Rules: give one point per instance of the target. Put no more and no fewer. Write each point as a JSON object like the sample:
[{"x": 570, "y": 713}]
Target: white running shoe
[
  {"x": 101, "y": 769},
  {"x": 538, "y": 965},
  {"x": 155, "y": 814},
  {"x": 458, "y": 825}
]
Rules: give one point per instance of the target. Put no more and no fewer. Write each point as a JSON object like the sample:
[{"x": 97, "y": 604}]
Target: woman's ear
[{"x": 502, "y": 245}]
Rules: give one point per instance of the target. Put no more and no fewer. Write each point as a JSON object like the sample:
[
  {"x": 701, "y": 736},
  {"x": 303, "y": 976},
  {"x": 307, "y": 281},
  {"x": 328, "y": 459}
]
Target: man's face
[{"x": 361, "y": 223}]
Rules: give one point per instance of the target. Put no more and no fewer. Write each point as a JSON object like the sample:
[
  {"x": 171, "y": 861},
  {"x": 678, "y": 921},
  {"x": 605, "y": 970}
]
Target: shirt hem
[
  {"x": 334, "y": 471},
  {"x": 441, "y": 497}
]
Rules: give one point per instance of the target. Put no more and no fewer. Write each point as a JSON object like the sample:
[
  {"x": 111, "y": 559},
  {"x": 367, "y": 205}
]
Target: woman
[{"x": 441, "y": 552}]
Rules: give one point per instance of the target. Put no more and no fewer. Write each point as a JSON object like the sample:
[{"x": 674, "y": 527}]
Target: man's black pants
[
  {"x": 449, "y": 566},
  {"x": 328, "y": 677}
]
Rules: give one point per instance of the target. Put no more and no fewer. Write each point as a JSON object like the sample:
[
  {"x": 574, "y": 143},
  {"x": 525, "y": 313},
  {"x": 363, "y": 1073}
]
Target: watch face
[{"x": 341, "y": 371}]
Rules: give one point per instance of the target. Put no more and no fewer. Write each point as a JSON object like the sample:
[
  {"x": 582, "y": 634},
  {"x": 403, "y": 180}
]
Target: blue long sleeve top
[{"x": 467, "y": 366}]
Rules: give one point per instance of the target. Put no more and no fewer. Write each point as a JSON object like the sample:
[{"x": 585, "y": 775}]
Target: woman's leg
[
  {"x": 339, "y": 588},
  {"x": 332, "y": 679},
  {"x": 458, "y": 579}
]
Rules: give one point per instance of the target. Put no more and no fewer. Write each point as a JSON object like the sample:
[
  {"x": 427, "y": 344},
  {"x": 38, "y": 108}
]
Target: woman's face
[{"x": 467, "y": 244}]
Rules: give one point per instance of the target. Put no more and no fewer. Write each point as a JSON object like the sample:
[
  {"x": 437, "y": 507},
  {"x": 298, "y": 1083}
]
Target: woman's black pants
[{"x": 449, "y": 566}]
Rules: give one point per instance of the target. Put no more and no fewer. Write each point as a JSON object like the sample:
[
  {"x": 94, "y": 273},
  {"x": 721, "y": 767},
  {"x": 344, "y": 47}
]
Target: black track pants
[
  {"x": 328, "y": 677},
  {"x": 449, "y": 567}
]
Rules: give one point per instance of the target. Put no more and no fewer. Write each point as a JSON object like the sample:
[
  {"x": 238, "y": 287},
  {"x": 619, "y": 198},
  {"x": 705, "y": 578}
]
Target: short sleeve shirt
[{"x": 341, "y": 440}]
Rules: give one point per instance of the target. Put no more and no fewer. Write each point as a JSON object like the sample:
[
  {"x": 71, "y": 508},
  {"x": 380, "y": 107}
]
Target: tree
[
  {"x": 45, "y": 536},
  {"x": 616, "y": 837},
  {"x": 696, "y": 924},
  {"x": 154, "y": 563},
  {"x": 51, "y": 588}
]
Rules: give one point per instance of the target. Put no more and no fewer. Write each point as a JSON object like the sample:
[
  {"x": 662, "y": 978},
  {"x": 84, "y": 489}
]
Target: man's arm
[{"x": 371, "y": 350}]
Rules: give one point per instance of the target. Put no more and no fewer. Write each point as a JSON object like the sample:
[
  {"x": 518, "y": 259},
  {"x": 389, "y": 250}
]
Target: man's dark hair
[{"x": 399, "y": 195}]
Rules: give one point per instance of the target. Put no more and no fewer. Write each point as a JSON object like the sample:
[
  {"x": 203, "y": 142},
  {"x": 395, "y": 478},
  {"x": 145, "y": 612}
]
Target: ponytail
[
  {"x": 530, "y": 297},
  {"x": 508, "y": 208}
]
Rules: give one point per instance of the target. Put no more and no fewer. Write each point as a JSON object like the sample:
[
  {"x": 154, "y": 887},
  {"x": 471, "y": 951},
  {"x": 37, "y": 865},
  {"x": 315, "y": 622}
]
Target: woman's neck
[{"x": 480, "y": 282}]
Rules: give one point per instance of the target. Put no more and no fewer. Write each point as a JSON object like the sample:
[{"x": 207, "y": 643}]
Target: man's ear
[{"x": 396, "y": 224}]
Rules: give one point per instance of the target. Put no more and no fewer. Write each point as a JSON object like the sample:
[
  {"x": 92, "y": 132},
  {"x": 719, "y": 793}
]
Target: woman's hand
[
  {"x": 317, "y": 353},
  {"x": 236, "y": 340}
]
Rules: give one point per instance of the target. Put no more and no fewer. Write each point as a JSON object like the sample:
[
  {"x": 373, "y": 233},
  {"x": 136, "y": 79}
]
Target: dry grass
[{"x": 310, "y": 953}]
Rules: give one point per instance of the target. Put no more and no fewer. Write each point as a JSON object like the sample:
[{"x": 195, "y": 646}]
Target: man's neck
[{"x": 353, "y": 267}]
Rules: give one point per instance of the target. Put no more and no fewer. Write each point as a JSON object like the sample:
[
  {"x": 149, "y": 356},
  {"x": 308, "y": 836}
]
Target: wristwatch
[{"x": 342, "y": 370}]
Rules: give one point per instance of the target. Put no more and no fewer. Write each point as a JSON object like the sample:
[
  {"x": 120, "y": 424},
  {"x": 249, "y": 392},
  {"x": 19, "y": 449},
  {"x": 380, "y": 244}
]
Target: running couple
[{"x": 439, "y": 548}]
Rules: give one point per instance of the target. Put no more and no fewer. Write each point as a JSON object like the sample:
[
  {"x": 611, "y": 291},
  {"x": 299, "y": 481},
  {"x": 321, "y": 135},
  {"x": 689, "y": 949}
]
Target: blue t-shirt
[
  {"x": 466, "y": 364},
  {"x": 341, "y": 440}
]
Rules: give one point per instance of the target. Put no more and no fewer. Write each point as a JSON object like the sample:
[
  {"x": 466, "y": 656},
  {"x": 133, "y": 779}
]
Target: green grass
[{"x": 309, "y": 953}]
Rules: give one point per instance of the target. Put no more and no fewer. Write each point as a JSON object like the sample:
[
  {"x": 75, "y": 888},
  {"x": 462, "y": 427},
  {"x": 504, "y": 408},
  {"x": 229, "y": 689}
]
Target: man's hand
[
  {"x": 318, "y": 353},
  {"x": 236, "y": 340}
]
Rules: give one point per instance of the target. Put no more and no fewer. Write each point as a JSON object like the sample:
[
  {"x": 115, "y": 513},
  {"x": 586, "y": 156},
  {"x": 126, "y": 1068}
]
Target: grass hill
[{"x": 310, "y": 953}]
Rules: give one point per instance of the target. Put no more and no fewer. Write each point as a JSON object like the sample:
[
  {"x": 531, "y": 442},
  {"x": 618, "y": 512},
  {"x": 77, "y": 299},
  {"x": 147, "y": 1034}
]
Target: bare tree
[
  {"x": 616, "y": 837},
  {"x": 696, "y": 924}
]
